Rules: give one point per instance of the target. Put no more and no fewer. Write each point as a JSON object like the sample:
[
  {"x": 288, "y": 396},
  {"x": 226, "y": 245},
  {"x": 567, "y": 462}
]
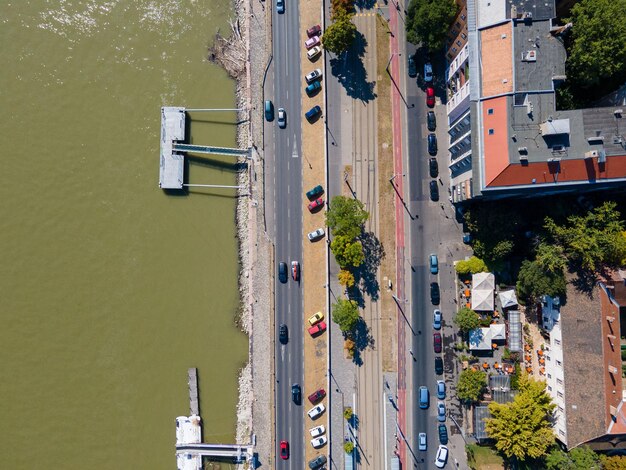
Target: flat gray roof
[
  {"x": 171, "y": 164},
  {"x": 540, "y": 9}
]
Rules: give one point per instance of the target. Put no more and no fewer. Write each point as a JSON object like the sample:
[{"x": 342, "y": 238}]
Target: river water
[{"x": 109, "y": 288}]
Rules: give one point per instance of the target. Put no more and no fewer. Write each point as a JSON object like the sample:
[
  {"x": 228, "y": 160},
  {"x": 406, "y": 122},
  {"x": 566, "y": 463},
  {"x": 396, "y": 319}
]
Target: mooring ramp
[
  {"x": 211, "y": 150},
  {"x": 192, "y": 380},
  {"x": 238, "y": 453},
  {"x": 172, "y": 164}
]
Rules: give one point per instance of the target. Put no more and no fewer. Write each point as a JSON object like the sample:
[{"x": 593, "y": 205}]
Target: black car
[
  {"x": 412, "y": 67},
  {"x": 434, "y": 190},
  {"x": 296, "y": 394},
  {"x": 433, "y": 167},
  {"x": 313, "y": 113},
  {"x": 431, "y": 121},
  {"x": 435, "y": 296},
  {"x": 282, "y": 272},
  {"x": 443, "y": 434},
  {"x": 432, "y": 144},
  {"x": 317, "y": 461},
  {"x": 438, "y": 365},
  {"x": 283, "y": 334}
]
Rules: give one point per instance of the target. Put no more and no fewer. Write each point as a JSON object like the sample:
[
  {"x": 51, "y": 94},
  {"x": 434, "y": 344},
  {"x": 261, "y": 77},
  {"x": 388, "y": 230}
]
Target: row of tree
[{"x": 341, "y": 33}]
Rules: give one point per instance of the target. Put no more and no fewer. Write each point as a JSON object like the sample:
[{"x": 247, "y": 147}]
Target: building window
[
  {"x": 561, "y": 409},
  {"x": 464, "y": 36},
  {"x": 557, "y": 342},
  {"x": 561, "y": 432},
  {"x": 463, "y": 17},
  {"x": 490, "y": 111},
  {"x": 491, "y": 131},
  {"x": 559, "y": 381},
  {"x": 559, "y": 394},
  {"x": 458, "y": 43},
  {"x": 549, "y": 376},
  {"x": 453, "y": 49},
  {"x": 559, "y": 363}
]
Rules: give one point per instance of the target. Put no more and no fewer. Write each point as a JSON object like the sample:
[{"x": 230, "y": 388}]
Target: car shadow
[{"x": 350, "y": 71}]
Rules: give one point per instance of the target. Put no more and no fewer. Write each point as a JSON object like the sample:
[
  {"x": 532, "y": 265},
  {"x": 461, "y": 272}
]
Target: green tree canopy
[
  {"x": 347, "y": 251},
  {"x": 345, "y": 314},
  {"x": 471, "y": 385},
  {"x": 466, "y": 319},
  {"x": 551, "y": 257},
  {"x": 495, "y": 229},
  {"x": 471, "y": 266},
  {"x": 346, "y": 216},
  {"x": 345, "y": 278},
  {"x": 533, "y": 281},
  {"x": 615, "y": 462},
  {"x": 522, "y": 429},
  {"x": 580, "y": 458},
  {"x": 597, "y": 53},
  {"x": 339, "y": 36},
  {"x": 427, "y": 22}
]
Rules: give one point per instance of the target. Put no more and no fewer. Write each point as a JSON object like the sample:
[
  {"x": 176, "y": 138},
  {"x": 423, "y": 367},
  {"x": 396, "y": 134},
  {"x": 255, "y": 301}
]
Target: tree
[
  {"x": 533, "y": 281},
  {"x": 466, "y": 319},
  {"x": 348, "y": 447},
  {"x": 522, "y": 428},
  {"x": 551, "y": 257},
  {"x": 580, "y": 458},
  {"x": 427, "y": 22},
  {"x": 346, "y": 315},
  {"x": 346, "y": 278},
  {"x": 473, "y": 265},
  {"x": 495, "y": 229},
  {"x": 339, "y": 36},
  {"x": 597, "y": 53},
  {"x": 615, "y": 462},
  {"x": 347, "y": 252},
  {"x": 347, "y": 413},
  {"x": 471, "y": 385},
  {"x": 346, "y": 216}
]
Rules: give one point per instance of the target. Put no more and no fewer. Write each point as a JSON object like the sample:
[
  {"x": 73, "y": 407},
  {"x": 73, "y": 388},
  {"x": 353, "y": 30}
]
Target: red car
[
  {"x": 317, "y": 395},
  {"x": 317, "y": 329},
  {"x": 295, "y": 270},
  {"x": 437, "y": 342},
  {"x": 430, "y": 97},
  {"x": 314, "y": 31},
  {"x": 284, "y": 450},
  {"x": 315, "y": 205}
]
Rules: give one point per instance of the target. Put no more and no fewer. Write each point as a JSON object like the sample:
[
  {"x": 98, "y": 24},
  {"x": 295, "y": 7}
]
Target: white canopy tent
[
  {"x": 480, "y": 339},
  {"x": 498, "y": 332},
  {"x": 508, "y": 298},
  {"x": 482, "y": 291}
]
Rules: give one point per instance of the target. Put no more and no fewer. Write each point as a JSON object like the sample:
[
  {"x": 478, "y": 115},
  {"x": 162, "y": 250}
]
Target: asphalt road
[{"x": 283, "y": 153}]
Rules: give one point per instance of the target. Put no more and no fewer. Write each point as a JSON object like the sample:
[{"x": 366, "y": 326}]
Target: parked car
[
  {"x": 432, "y": 144},
  {"x": 316, "y": 318},
  {"x": 435, "y": 296},
  {"x": 431, "y": 121},
  {"x": 443, "y": 434},
  {"x": 269, "y": 111},
  {"x": 316, "y": 204},
  {"x": 442, "y": 457},
  {"x": 313, "y": 88},
  {"x": 314, "y": 193},
  {"x": 428, "y": 72},
  {"x": 296, "y": 394},
  {"x": 441, "y": 411},
  {"x": 313, "y": 113},
  {"x": 316, "y": 411},
  {"x": 317, "y": 329},
  {"x": 314, "y": 31},
  {"x": 412, "y": 67},
  {"x": 441, "y": 390},
  {"x": 317, "y": 462},
  {"x": 430, "y": 97},
  {"x": 424, "y": 397},
  {"x": 312, "y": 42},
  {"x": 280, "y": 6},
  {"x": 437, "y": 342},
  {"x": 421, "y": 441},
  {"x": 295, "y": 270},
  {"x": 313, "y": 53},
  {"x": 434, "y": 262},
  {"x": 434, "y": 191},
  {"x": 433, "y": 167},
  {"x": 316, "y": 234},
  {"x": 317, "y": 431},
  {"x": 284, "y": 450},
  {"x": 314, "y": 75},
  {"x": 319, "y": 442},
  {"x": 438, "y": 365},
  {"x": 437, "y": 319},
  {"x": 283, "y": 334},
  {"x": 282, "y": 272},
  {"x": 317, "y": 395},
  {"x": 282, "y": 118}
]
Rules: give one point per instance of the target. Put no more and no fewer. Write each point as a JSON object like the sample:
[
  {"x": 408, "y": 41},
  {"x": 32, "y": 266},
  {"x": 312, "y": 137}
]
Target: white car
[
  {"x": 313, "y": 53},
  {"x": 437, "y": 319},
  {"x": 316, "y": 411},
  {"x": 421, "y": 441},
  {"x": 442, "y": 457},
  {"x": 310, "y": 77},
  {"x": 316, "y": 234},
  {"x": 319, "y": 442},
  {"x": 317, "y": 431},
  {"x": 428, "y": 72}
]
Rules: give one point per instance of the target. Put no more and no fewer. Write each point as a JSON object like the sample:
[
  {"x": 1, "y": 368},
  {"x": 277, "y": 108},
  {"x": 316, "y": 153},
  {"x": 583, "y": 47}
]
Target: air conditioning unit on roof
[{"x": 529, "y": 56}]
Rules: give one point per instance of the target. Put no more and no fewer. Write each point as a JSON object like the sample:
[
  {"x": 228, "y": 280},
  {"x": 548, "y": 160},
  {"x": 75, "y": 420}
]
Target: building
[
  {"x": 506, "y": 137},
  {"x": 583, "y": 365}
]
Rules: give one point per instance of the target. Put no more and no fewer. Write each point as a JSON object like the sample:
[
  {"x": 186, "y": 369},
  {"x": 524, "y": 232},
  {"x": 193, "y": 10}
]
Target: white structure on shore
[{"x": 188, "y": 431}]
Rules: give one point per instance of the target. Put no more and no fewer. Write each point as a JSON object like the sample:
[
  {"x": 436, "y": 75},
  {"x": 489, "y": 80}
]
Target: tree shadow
[
  {"x": 365, "y": 4},
  {"x": 365, "y": 275},
  {"x": 362, "y": 339},
  {"x": 350, "y": 71},
  {"x": 354, "y": 422}
]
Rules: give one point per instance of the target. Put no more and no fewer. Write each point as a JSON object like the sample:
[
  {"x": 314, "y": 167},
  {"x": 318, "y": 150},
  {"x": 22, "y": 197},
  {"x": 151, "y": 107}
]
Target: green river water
[{"x": 109, "y": 288}]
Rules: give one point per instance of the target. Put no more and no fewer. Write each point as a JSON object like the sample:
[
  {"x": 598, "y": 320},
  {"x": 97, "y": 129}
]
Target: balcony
[
  {"x": 458, "y": 98},
  {"x": 458, "y": 62}
]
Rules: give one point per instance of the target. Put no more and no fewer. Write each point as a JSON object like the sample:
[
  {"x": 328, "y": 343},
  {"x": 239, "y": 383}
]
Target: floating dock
[
  {"x": 192, "y": 380},
  {"x": 172, "y": 163}
]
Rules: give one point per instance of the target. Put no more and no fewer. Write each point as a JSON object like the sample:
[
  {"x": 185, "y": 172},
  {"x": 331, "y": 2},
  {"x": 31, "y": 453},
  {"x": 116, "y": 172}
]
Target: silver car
[
  {"x": 314, "y": 75},
  {"x": 316, "y": 234},
  {"x": 441, "y": 411},
  {"x": 421, "y": 441},
  {"x": 437, "y": 319},
  {"x": 282, "y": 118}
]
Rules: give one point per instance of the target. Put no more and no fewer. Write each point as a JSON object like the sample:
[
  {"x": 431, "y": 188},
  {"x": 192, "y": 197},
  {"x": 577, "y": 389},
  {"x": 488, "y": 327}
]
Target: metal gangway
[
  {"x": 212, "y": 150},
  {"x": 238, "y": 453}
]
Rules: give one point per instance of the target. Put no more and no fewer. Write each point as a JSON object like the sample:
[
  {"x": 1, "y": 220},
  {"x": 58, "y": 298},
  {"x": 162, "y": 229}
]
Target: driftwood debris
[{"x": 230, "y": 53}]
